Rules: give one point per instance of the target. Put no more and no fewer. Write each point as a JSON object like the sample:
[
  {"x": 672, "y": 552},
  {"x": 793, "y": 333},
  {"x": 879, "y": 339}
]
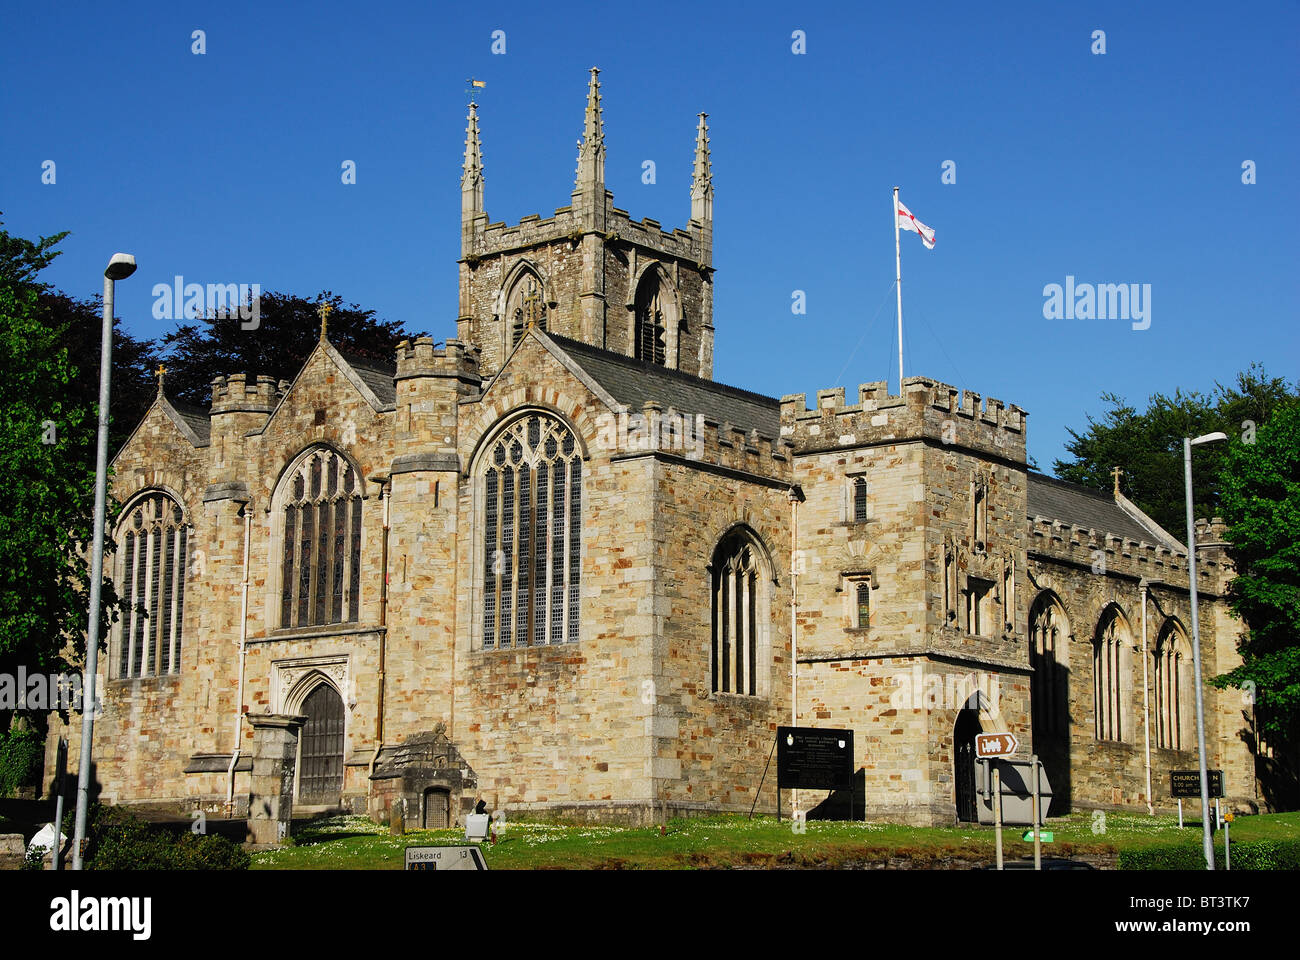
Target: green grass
[{"x": 356, "y": 843}]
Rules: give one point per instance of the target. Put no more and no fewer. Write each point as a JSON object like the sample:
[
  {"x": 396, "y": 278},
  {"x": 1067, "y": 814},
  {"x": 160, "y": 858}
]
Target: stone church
[{"x": 553, "y": 564}]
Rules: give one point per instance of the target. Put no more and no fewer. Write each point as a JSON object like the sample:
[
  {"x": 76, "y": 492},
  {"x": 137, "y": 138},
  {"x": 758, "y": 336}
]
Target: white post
[
  {"x": 1180, "y": 813},
  {"x": 898, "y": 284},
  {"x": 997, "y": 807},
  {"x": 1038, "y": 841}
]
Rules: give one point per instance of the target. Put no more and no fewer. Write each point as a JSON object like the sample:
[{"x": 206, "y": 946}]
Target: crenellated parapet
[
  {"x": 423, "y": 358},
  {"x": 695, "y": 438},
  {"x": 235, "y": 393},
  {"x": 926, "y": 410},
  {"x": 1107, "y": 554}
]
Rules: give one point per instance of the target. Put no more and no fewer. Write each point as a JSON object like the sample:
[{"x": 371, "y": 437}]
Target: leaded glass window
[
  {"x": 532, "y": 535},
  {"x": 321, "y": 559},
  {"x": 154, "y": 540}
]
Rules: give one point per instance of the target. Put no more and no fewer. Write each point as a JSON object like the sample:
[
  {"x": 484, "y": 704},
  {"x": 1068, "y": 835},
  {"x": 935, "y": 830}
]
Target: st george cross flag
[{"x": 908, "y": 222}]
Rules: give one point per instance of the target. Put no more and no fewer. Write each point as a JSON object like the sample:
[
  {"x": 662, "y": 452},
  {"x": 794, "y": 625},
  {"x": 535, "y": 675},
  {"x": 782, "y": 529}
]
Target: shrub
[
  {"x": 1246, "y": 855},
  {"x": 22, "y": 751},
  {"x": 120, "y": 841}
]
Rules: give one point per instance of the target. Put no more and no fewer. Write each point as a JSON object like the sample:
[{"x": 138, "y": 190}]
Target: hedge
[{"x": 1246, "y": 855}]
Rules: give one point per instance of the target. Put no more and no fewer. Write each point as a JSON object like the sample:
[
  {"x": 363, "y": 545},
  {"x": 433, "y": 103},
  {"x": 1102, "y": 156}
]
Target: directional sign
[
  {"x": 445, "y": 858},
  {"x": 995, "y": 744},
  {"x": 1044, "y": 836}
]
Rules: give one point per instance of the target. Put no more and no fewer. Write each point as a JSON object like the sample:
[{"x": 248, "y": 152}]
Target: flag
[
  {"x": 908, "y": 222},
  {"x": 479, "y": 83}
]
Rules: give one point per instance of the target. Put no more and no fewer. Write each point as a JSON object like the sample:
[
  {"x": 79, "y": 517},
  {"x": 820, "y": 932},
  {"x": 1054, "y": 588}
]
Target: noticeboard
[
  {"x": 1187, "y": 783},
  {"x": 813, "y": 758}
]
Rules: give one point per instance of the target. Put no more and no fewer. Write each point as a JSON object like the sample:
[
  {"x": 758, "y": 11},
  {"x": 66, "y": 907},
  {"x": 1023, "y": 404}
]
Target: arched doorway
[
  {"x": 963, "y": 762},
  {"x": 437, "y": 809},
  {"x": 320, "y": 777}
]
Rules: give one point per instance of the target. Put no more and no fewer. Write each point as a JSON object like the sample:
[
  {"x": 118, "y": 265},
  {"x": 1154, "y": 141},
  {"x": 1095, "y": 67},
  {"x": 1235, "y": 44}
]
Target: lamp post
[
  {"x": 121, "y": 266},
  {"x": 1207, "y": 837}
]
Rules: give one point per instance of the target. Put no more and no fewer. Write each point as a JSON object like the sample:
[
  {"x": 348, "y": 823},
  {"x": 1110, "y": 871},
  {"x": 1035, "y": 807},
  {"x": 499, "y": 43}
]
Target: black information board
[
  {"x": 813, "y": 758},
  {"x": 1187, "y": 783}
]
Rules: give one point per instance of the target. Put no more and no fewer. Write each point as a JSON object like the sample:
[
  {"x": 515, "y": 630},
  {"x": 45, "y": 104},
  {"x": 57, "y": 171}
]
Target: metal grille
[
  {"x": 437, "y": 809},
  {"x": 321, "y": 779}
]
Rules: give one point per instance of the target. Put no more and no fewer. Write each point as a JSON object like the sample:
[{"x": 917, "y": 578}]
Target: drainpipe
[
  {"x": 243, "y": 639},
  {"x": 383, "y": 623},
  {"x": 796, "y": 495},
  {"x": 1146, "y": 712}
]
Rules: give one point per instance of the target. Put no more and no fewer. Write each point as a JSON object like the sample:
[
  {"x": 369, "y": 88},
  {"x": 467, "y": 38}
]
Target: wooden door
[{"x": 321, "y": 777}]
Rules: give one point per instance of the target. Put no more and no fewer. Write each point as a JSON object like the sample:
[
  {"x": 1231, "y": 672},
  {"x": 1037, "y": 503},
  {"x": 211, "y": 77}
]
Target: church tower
[{"x": 590, "y": 272}]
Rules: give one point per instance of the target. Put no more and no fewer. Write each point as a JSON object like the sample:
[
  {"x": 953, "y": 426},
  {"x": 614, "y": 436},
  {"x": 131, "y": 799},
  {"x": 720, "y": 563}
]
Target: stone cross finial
[
  {"x": 531, "y": 310},
  {"x": 1116, "y": 472},
  {"x": 323, "y": 312},
  {"x": 161, "y": 372}
]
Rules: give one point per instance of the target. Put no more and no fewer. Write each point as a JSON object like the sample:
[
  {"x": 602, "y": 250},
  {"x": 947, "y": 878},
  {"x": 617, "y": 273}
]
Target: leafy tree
[
  {"x": 47, "y": 439},
  {"x": 288, "y": 330},
  {"x": 134, "y": 382},
  {"x": 1148, "y": 445},
  {"x": 1260, "y": 489}
]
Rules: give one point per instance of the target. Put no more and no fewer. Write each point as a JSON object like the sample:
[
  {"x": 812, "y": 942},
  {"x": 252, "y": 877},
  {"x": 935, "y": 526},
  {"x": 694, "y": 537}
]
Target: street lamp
[
  {"x": 121, "y": 266},
  {"x": 1207, "y": 837}
]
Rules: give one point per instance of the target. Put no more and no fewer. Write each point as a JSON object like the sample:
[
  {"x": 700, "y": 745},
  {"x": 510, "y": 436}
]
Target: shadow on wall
[
  {"x": 1277, "y": 771},
  {"x": 843, "y": 804}
]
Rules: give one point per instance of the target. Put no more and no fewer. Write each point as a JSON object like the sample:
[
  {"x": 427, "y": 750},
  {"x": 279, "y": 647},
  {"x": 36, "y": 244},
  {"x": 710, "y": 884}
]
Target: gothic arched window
[
  {"x": 1049, "y": 685},
  {"x": 651, "y": 327},
  {"x": 525, "y": 306},
  {"x": 1111, "y": 685},
  {"x": 154, "y": 541},
  {"x": 1173, "y": 683},
  {"x": 321, "y": 564},
  {"x": 532, "y": 539},
  {"x": 739, "y": 649}
]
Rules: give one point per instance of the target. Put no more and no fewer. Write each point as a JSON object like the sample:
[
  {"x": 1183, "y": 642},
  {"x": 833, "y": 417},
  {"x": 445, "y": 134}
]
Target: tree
[
  {"x": 47, "y": 439},
  {"x": 1148, "y": 445},
  {"x": 288, "y": 330},
  {"x": 1260, "y": 490}
]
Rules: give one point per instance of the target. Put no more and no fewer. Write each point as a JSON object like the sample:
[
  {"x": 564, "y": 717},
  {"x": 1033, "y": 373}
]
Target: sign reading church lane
[
  {"x": 812, "y": 758},
  {"x": 1187, "y": 783},
  {"x": 445, "y": 858}
]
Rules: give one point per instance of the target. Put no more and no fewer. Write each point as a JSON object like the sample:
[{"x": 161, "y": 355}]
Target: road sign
[
  {"x": 1044, "y": 836},
  {"x": 1017, "y": 791},
  {"x": 995, "y": 744},
  {"x": 445, "y": 858},
  {"x": 1187, "y": 783}
]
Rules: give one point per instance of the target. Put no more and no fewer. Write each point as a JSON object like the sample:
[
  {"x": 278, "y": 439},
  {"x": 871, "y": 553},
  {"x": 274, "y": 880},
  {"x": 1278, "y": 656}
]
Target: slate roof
[
  {"x": 377, "y": 376},
  {"x": 196, "y": 418},
  {"x": 633, "y": 383},
  {"x": 1073, "y": 504}
]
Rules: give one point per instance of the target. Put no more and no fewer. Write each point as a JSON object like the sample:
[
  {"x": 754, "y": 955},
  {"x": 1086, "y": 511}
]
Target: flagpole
[{"x": 898, "y": 283}]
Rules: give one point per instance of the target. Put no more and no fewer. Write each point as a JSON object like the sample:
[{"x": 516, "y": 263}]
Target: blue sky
[{"x": 1117, "y": 168}]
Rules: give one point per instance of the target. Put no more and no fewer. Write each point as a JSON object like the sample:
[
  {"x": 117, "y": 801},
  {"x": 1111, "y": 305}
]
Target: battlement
[
  {"x": 1124, "y": 555},
  {"x": 926, "y": 409},
  {"x": 567, "y": 225},
  {"x": 693, "y": 437},
  {"x": 235, "y": 394},
  {"x": 422, "y": 358}
]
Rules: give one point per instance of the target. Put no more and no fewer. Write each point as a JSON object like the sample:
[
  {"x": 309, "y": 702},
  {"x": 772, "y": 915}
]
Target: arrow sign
[{"x": 995, "y": 744}]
